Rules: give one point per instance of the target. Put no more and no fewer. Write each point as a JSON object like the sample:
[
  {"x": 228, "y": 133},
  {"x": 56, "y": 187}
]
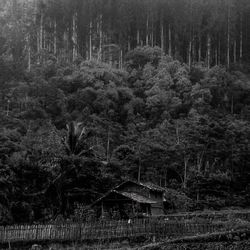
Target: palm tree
[
  {"x": 76, "y": 140},
  {"x": 77, "y": 147},
  {"x": 78, "y": 150}
]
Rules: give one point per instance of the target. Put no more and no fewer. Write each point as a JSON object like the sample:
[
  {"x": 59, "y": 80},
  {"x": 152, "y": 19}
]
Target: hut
[{"x": 131, "y": 199}]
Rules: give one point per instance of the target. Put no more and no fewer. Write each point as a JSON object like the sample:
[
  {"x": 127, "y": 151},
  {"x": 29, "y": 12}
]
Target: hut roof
[
  {"x": 147, "y": 185},
  {"x": 152, "y": 186},
  {"x": 127, "y": 195},
  {"x": 136, "y": 197},
  {"x": 133, "y": 196}
]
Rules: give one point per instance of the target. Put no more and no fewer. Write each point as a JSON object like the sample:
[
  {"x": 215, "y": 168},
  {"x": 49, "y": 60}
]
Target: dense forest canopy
[{"x": 97, "y": 91}]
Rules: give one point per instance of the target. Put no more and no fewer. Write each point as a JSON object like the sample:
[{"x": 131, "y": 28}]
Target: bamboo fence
[{"x": 103, "y": 230}]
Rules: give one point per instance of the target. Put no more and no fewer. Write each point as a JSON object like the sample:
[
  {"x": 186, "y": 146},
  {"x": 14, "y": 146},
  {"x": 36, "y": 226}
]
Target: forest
[{"x": 95, "y": 92}]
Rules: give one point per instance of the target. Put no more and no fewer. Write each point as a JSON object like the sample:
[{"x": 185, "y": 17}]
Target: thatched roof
[
  {"x": 124, "y": 196},
  {"x": 138, "y": 198},
  {"x": 147, "y": 185}
]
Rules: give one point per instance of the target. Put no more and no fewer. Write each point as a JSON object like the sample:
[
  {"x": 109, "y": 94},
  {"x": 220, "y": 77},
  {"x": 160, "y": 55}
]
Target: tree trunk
[
  {"x": 200, "y": 157},
  {"x": 55, "y": 39},
  {"x": 110, "y": 56},
  {"x": 228, "y": 33},
  {"x": 66, "y": 45},
  {"x": 29, "y": 53},
  {"x": 38, "y": 45},
  {"x": 169, "y": 40},
  {"x": 44, "y": 35},
  {"x": 235, "y": 51},
  {"x": 219, "y": 53},
  {"x": 129, "y": 44},
  {"x": 208, "y": 51},
  {"x": 190, "y": 53},
  {"x": 139, "y": 167},
  {"x": 108, "y": 145},
  {"x": 100, "y": 39},
  {"x": 147, "y": 28},
  {"x": 138, "y": 37},
  {"x": 199, "y": 50},
  {"x": 41, "y": 33},
  {"x": 8, "y": 108},
  {"x": 186, "y": 159},
  {"x": 74, "y": 37},
  {"x": 40, "y": 38},
  {"x": 152, "y": 33},
  {"x": 241, "y": 39},
  {"x": 162, "y": 35},
  {"x": 190, "y": 36},
  {"x": 177, "y": 134},
  {"x": 193, "y": 55},
  {"x": 232, "y": 105},
  {"x": 90, "y": 40},
  {"x": 121, "y": 59},
  {"x": 216, "y": 55}
]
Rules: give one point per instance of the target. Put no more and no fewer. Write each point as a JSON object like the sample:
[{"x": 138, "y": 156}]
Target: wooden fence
[{"x": 105, "y": 230}]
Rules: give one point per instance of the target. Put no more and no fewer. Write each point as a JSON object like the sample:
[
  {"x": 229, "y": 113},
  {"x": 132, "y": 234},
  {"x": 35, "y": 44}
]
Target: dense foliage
[{"x": 71, "y": 130}]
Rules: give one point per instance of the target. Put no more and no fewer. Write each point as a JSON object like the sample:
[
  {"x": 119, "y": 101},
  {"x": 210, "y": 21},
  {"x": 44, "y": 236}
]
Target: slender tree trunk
[
  {"x": 194, "y": 57},
  {"x": 8, "y": 108},
  {"x": 219, "y": 52},
  {"x": 199, "y": 49},
  {"x": 51, "y": 38},
  {"x": 100, "y": 39},
  {"x": 208, "y": 51},
  {"x": 241, "y": 38},
  {"x": 190, "y": 53},
  {"x": 200, "y": 157},
  {"x": 129, "y": 44},
  {"x": 235, "y": 51},
  {"x": 162, "y": 35},
  {"x": 110, "y": 56},
  {"x": 177, "y": 134},
  {"x": 198, "y": 195},
  {"x": 190, "y": 36},
  {"x": 87, "y": 50},
  {"x": 152, "y": 33},
  {"x": 138, "y": 37},
  {"x": 147, "y": 31},
  {"x": 108, "y": 145},
  {"x": 90, "y": 40},
  {"x": 228, "y": 33},
  {"x": 55, "y": 38},
  {"x": 232, "y": 105},
  {"x": 44, "y": 39},
  {"x": 40, "y": 38},
  {"x": 41, "y": 33},
  {"x": 38, "y": 44},
  {"x": 139, "y": 167},
  {"x": 169, "y": 40},
  {"x": 66, "y": 45},
  {"x": 216, "y": 55},
  {"x": 186, "y": 159},
  {"x": 121, "y": 59},
  {"x": 74, "y": 37},
  {"x": 29, "y": 53},
  {"x": 166, "y": 175}
]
